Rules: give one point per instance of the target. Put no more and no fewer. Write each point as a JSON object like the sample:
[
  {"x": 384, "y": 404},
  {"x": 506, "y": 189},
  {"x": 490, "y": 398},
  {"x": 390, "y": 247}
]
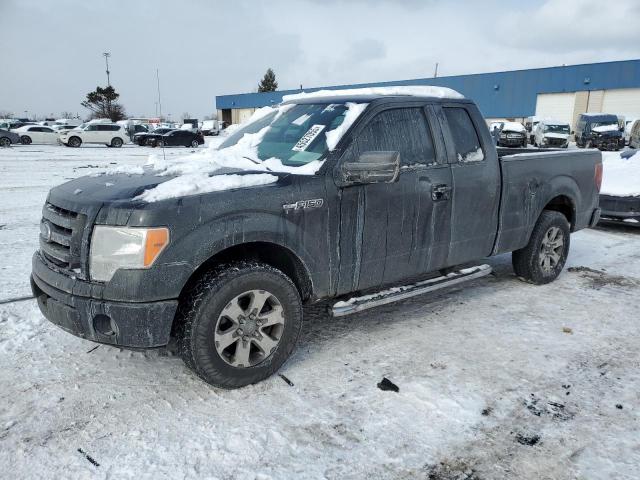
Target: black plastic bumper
[
  {"x": 135, "y": 325},
  {"x": 621, "y": 209}
]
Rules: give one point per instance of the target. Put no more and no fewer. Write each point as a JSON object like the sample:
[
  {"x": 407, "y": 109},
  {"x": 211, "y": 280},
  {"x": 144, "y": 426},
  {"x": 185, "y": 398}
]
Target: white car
[
  {"x": 36, "y": 134},
  {"x": 552, "y": 133},
  {"x": 109, "y": 134}
]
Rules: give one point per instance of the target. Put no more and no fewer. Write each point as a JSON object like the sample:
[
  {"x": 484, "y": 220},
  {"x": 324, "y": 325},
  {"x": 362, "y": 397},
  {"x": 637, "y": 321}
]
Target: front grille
[
  {"x": 61, "y": 236},
  {"x": 555, "y": 141}
]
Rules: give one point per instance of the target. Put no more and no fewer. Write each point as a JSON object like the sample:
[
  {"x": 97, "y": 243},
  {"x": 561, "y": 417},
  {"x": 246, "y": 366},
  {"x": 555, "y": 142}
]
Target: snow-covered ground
[{"x": 497, "y": 379}]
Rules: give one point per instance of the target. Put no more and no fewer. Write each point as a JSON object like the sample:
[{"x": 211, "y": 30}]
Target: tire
[
  {"x": 529, "y": 262},
  {"x": 5, "y": 142},
  {"x": 201, "y": 315},
  {"x": 194, "y": 144},
  {"x": 25, "y": 140},
  {"x": 116, "y": 142},
  {"x": 74, "y": 142}
]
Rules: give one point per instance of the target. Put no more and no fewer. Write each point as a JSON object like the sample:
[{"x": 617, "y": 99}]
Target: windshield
[
  {"x": 604, "y": 124},
  {"x": 295, "y": 133},
  {"x": 557, "y": 128}
]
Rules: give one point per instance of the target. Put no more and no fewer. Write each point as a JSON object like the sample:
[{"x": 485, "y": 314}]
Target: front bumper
[
  {"x": 608, "y": 143},
  {"x": 74, "y": 306},
  {"x": 620, "y": 209},
  {"x": 511, "y": 142}
]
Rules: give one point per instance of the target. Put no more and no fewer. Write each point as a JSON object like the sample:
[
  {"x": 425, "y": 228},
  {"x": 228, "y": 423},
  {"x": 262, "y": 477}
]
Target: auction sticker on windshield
[{"x": 307, "y": 138}]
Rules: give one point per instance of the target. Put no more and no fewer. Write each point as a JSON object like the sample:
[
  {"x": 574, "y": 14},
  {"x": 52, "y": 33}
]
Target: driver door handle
[{"x": 440, "y": 191}]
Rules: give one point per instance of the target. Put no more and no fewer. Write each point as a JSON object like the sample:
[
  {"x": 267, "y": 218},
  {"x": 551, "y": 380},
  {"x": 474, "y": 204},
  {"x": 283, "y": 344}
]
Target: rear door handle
[{"x": 441, "y": 191}]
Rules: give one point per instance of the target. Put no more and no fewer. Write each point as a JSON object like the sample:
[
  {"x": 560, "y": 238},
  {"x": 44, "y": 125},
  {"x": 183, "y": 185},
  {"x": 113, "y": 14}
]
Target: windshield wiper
[{"x": 257, "y": 162}]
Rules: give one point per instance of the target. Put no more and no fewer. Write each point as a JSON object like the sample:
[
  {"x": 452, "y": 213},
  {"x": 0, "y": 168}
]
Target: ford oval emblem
[{"x": 45, "y": 231}]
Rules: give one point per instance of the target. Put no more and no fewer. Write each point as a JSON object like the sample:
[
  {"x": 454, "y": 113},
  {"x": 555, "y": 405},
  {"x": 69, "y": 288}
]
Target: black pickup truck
[{"x": 410, "y": 188}]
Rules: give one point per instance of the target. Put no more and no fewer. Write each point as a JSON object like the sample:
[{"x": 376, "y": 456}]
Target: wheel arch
[
  {"x": 273, "y": 254},
  {"x": 563, "y": 204}
]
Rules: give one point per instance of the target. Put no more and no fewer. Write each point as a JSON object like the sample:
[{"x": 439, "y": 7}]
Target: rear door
[
  {"x": 476, "y": 182},
  {"x": 392, "y": 231}
]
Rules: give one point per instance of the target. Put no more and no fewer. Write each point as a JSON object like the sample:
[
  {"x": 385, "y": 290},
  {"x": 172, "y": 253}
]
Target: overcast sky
[{"x": 52, "y": 50}]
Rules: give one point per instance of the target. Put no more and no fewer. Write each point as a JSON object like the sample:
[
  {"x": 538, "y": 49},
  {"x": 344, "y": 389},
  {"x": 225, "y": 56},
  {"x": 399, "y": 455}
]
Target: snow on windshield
[
  {"x": 196, "y": 173},
  {"x": 416, "y": 91}
]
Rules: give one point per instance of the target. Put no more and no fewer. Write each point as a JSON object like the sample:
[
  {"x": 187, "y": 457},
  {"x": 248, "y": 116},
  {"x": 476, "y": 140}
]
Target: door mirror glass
[{"x": 371, "y": 167}]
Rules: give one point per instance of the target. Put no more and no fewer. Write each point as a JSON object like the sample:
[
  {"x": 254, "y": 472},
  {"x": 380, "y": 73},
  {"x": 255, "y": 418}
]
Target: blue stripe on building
[{"x": 498, "y": 94}]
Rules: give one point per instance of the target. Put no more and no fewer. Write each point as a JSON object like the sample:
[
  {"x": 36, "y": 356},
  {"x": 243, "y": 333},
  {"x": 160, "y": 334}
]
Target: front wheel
[
  {"x": 5, "y": 142},
  {"x": 116, "y": 142},
  {"x": 542, "y": 260},
  {"x": 239, "y": 324},
  {"x": 74, "y": 142},
  {"x": 194, "y": 144},
  {"x": 25, "y": 140}
]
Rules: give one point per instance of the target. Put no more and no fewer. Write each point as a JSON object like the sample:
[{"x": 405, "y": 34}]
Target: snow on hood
[
  {"x": 621, "y": 177},
  {"x": 415, "y": 91},
  {"x": 606, "y": 128},
  {"x": 563, "y": 136},
  {"x": 513, "y": 127},
  {"x": 196, "y": 173}
]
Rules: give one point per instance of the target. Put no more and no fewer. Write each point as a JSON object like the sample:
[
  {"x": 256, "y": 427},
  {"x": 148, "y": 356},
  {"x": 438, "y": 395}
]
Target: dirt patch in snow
[{"x": 599, "y": 279}]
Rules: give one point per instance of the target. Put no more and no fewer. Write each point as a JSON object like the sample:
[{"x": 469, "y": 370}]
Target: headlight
[
  {"x": 545, "y": 140},
  {"x": 113, "y": 248}
]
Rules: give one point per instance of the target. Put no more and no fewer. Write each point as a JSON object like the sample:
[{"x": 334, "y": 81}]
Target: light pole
[{"x": 106, "y": 56}]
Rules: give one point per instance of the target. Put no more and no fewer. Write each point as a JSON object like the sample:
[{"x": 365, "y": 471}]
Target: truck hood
[
  {"x": 563, "y": 136},
  {"x": 107, "y": 188}
]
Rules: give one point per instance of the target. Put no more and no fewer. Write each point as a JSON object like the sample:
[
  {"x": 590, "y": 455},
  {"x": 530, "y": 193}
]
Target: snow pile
[
  {"x": 606, "y": 128},
  {"x": 621, "y": 177},
  {"x": 353, "y": 112},
  {"x": 415, "y": 91},
  {"x": 513, "y": 127}
]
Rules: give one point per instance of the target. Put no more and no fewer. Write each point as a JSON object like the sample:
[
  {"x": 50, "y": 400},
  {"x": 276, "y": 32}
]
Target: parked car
[
  {"x": 8, "y": 138},
  {"x": 552, "y": 133},
  {"x": 20, "y": 124},
  {"x": 212, "y": 127},
  {"x": 634, "y": 134},
  {"x": 109, "y": 134},
  {"x": 411, "y": 185},
  {"x": 144, "y": 138},
  {"x": 513, "y": 134},
  {"x": 620, "y": 195},
  {"x": 599, "y": 130},
  {"x": 37, "y": 134},
  {"x": 628, "y": 125},
  {"x": 177, "y": 138},
  {"x": 531, "y": 123}
]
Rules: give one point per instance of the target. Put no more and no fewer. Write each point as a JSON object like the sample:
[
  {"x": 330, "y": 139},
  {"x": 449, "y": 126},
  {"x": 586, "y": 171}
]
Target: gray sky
[{"x": 52, "y": 52}]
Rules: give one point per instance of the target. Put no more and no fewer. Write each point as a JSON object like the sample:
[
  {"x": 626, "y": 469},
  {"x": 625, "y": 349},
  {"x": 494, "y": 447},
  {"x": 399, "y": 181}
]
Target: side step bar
[{"x": 357, "y": 304}]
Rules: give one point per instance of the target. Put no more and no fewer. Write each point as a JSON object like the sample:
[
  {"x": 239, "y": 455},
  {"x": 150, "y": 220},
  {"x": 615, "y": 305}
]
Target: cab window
[{"x": 464, "y": 134}]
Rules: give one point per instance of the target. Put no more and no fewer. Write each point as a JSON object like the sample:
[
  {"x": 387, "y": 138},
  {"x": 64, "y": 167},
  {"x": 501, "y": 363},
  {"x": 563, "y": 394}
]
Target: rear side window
[
  {"x": 465, "y": 137},
  {"x": 403, "y": 130}
]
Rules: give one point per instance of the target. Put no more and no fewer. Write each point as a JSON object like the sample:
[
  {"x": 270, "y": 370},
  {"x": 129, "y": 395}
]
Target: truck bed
[{"x": 536, "y": 179}]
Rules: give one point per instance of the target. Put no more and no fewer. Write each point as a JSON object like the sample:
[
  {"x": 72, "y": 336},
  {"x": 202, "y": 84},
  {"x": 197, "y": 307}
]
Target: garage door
[
  {"x": 558, "y": 106},
  {"x": 622, "y": 101}
]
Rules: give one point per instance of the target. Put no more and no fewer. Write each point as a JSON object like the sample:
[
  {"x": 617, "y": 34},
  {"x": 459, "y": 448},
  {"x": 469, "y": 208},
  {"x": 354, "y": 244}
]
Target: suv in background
[
  {"x": 634, "y": 134},
  {"x": 599, "y": 130},
  {"x": 552, "y": 133},
  {"x": 110, "y": 134}
]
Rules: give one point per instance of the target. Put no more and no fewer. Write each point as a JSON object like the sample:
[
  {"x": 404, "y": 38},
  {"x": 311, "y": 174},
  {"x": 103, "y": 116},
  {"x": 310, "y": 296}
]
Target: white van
[
  {"x": 552, "y": 133},
  {"x": 109, "y": 134}
]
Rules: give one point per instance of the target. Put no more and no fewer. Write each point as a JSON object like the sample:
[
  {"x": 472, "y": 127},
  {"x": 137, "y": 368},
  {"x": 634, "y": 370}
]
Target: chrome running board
[{"x": 358, "y": 304}]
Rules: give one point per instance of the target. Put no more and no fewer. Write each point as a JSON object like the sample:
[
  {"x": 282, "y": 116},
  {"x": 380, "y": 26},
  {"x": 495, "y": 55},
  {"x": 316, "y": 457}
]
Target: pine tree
[
  {"x": 268, "y": 82},
  {"x": 102, "y": 103}
]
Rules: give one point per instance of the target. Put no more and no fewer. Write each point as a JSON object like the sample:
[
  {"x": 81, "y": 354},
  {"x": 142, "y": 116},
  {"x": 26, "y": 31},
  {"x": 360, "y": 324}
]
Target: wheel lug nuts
[{"x": 239, "y": 331}]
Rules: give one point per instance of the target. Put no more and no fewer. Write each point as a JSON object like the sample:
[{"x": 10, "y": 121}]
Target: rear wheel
[
  {"x": 25, "y": 140},
  {"x": 116, "y": 142},
  {"x": 542, "y": 260},
  {"x": 239, "y": 324},
  {"x": 194, "y": 144},
  {"x": 5, "y": 142},
  {"x": 74, "y": 142}
]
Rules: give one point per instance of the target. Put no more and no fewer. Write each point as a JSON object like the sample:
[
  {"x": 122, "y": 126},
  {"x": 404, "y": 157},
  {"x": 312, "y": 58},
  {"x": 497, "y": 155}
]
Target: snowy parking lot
[{"x": 497, "y": 378}]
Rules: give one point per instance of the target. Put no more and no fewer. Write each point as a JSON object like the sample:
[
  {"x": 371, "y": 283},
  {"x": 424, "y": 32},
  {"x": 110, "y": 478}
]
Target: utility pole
[
  {"x": 106, "y": 56},
  {"x": 435, "y": 75},
  {"x": 159, "y": 101}
]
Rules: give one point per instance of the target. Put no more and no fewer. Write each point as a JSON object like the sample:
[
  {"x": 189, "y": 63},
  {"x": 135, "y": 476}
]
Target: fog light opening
[{"x": 104, "y": 325}]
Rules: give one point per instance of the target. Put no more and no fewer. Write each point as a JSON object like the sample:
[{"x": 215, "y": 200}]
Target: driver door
[{"x": 390, "y": 232}]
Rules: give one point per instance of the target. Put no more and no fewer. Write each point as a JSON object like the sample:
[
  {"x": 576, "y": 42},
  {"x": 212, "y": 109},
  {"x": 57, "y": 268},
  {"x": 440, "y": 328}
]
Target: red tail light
[{"x": 598, "y": 176}]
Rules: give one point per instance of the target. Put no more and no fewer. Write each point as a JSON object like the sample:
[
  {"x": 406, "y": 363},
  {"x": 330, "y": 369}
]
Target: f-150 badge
[{"x": 303, "y": 204}]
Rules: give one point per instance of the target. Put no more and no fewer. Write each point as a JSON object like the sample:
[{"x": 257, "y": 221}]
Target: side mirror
[{"x": 371, "y": 167}]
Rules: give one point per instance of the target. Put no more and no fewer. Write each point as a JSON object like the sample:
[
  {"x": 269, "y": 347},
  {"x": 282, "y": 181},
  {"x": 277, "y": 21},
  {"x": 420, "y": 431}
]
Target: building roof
[{"x": 499, "y": 94}]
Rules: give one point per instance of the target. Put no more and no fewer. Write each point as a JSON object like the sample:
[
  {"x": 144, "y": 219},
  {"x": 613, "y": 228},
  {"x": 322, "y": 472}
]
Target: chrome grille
[{"x": 60, "y": 236}]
